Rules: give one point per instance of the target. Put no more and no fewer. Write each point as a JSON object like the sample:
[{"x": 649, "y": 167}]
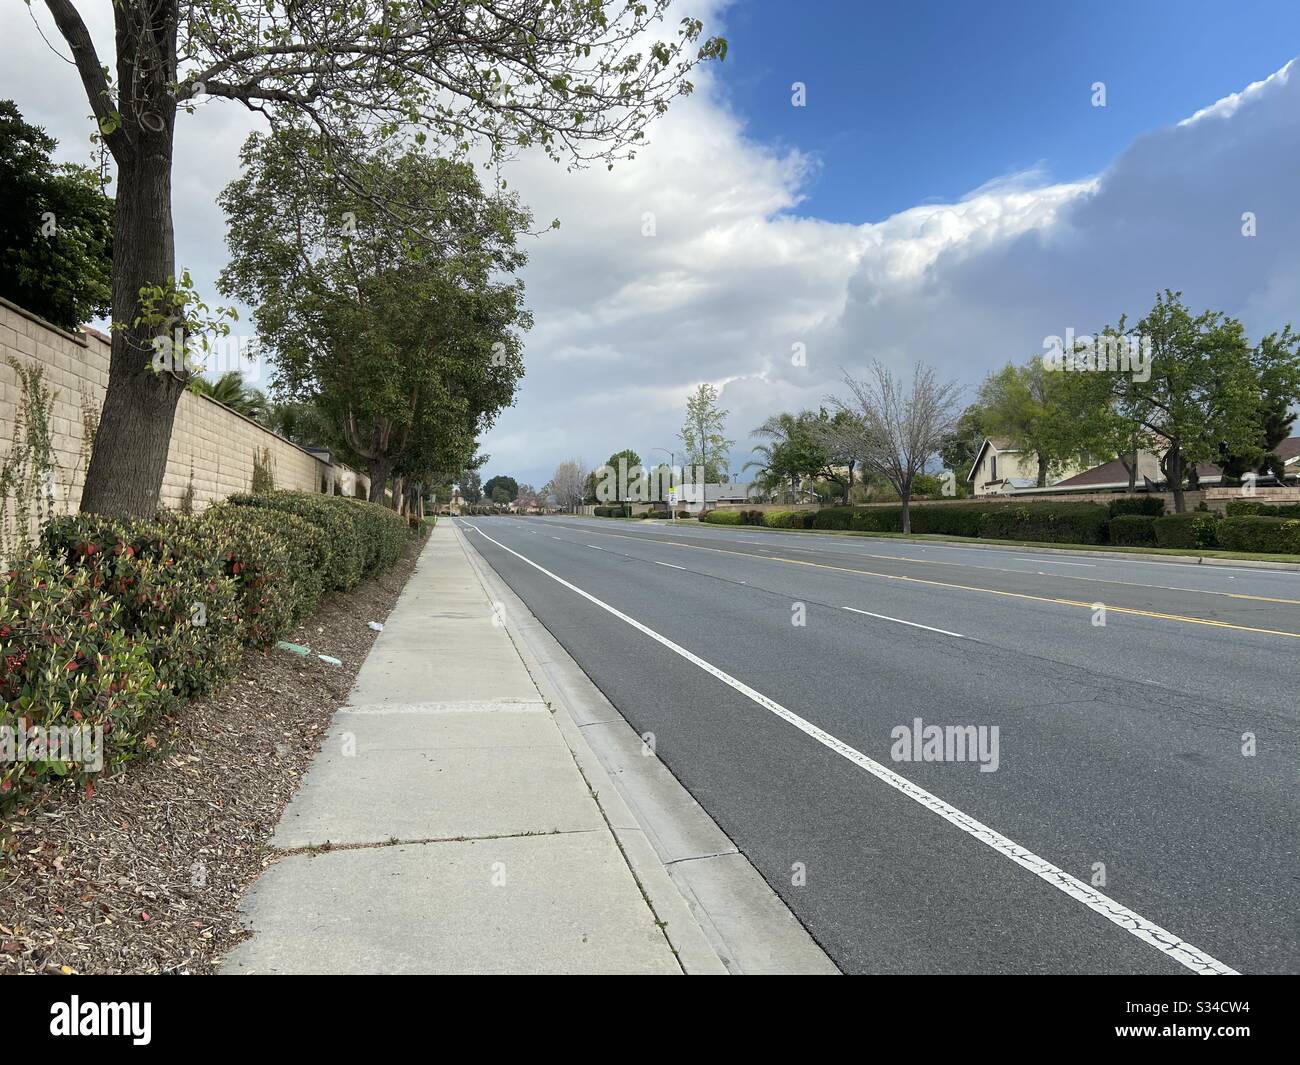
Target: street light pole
[{"x": 672, "y": 461}]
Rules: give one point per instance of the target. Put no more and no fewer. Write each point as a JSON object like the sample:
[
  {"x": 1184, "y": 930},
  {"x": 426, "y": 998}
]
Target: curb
[{"x": 691, "y": 872}]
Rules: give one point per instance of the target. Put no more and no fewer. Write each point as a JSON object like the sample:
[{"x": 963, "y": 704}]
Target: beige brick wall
[{"x": 210, "y": 442}]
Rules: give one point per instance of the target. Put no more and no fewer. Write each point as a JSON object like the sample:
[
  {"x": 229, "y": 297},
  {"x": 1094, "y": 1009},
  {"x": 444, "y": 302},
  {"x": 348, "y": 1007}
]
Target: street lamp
[{"x": 672, "y": 461}]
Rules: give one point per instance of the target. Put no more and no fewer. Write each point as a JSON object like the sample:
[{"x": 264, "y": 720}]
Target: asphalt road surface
[{"x": 1138, "y": 813}]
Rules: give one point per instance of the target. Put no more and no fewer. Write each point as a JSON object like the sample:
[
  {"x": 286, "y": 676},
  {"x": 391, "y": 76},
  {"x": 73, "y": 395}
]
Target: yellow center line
[{"x": 965, "y": 587}]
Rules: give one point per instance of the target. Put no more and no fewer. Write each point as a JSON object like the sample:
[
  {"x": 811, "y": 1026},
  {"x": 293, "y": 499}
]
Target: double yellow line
[{"x": 988, "y": 591}]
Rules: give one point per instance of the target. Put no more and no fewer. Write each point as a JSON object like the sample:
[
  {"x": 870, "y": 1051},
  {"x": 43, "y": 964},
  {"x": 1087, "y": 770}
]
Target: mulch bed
[{"x": 145, "y": 875}]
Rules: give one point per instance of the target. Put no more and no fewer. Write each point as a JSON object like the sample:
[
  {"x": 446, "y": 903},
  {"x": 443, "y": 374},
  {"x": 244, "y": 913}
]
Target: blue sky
[
  {"x": 850, "y": 227},
  {"x": 909, "y": 102}
]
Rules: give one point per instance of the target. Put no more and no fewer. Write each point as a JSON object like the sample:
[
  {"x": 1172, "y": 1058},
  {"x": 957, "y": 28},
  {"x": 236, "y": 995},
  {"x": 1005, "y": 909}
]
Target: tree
[
  {"x": 702, "y": 434},
  {"x": 413, "y": 346},
  {"x": 959, "y": 448},
  {"x": 895, "y": 429},
  {"x": 581, "y": 78},
  {"x": 56, "y": 229},
  {"x": 1025, "y": 405},
  {"x": 502, "y": 489},
  {"x": 568, "y": 484},
  {"x": 1202, "y": 397},
  {"x": 1276, "y": 365},
  {"x": 230, "y": 390}
]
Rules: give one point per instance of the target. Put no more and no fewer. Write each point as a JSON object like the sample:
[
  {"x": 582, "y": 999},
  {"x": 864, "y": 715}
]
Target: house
[
  {"x": 1000, "y": 468},
  {"x": 1113, "y": 476}
]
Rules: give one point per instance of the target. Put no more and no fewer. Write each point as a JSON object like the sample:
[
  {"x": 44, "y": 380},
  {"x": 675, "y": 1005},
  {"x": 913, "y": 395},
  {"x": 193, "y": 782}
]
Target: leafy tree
[
  {"x": 501, "y": 489},
  {"x": 702, "y": 434},
  {"x": 580, "y": 78},
  {"x": 56, "y": 229},
  {"x": 1026, "y": 405},
  {"x": 959, "y": 448},
  {"x": 412, "y": 345},
  {"x": 1276, "y": 364}
]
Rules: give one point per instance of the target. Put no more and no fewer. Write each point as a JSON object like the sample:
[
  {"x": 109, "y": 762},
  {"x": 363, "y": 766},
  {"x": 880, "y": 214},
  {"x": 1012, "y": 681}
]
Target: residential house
[{"x": 1001, "y": 468}]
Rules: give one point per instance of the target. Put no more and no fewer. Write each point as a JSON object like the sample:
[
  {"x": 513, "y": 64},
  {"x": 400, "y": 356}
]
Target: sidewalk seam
[{"x": 660, "y": 923}]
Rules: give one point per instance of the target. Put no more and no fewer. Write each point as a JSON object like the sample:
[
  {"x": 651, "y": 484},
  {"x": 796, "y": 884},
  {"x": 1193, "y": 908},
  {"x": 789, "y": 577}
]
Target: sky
[{"x": 948, "y": 192}]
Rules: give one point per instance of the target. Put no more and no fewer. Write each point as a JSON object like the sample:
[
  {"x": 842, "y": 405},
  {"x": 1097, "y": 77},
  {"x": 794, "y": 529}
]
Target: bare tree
[
  {"x": 569, "y": 484},
  {"x": 893, "y": 429}
]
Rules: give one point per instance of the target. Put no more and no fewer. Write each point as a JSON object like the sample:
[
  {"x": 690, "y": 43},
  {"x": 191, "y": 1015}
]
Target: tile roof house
[{"x": 1113, "y": 475}]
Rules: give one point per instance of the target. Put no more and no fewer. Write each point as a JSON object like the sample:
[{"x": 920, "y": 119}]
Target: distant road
[{"x": 1123, "y": 829}]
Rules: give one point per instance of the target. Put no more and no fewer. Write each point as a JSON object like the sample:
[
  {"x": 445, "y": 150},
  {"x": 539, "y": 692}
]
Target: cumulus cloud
[{"x": 692, "y": 263}]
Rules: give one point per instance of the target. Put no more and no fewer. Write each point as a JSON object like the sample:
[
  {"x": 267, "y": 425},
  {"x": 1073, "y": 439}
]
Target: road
[{"x": 1122, "y": 828}]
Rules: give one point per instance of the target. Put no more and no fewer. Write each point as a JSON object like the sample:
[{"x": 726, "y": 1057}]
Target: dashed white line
[
  {"x": 1121, "y": 916},
  {"x": 1053, "y": 562},
  {"x": 900, "y": 621},
  {"x": 669, "y": 565}
]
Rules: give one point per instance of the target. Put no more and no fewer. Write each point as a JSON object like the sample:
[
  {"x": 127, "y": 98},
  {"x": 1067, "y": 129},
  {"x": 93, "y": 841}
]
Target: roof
[
  {"x": 1113, "y": 472},
  {"x": 999, "y": 444}
]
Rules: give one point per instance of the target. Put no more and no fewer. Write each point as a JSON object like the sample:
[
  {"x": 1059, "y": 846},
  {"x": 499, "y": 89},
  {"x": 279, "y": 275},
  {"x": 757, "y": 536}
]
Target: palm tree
[{"x": 230, "y": 391}]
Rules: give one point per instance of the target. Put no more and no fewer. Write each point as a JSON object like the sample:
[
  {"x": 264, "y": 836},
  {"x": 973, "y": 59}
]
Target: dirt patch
[{"x": 144, "y": 876}]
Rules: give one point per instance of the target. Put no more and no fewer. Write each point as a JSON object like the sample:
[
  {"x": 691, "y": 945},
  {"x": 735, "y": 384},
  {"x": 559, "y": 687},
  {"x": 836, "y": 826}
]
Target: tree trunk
[
  {"x": 905, "y": 497},
  {"x": 1172, "y": 465},
  {"x": 378, "y": 469},
  {"x": 129, "y": 458},
  {"x": 1042, "y": 472}
]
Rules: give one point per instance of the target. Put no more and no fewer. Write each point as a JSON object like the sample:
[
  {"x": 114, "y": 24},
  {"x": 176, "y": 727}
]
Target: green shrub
[
  {"x": 1133, "y": 530},
  {"x": 1153, "y": 506},
  {"x": 1238, "y": 508},
  {"x": 1067, "y": 523},
  {"x": 877, "y": 519},
  {"x": 723, "y": 517},
  {"x": 1276, "y": 536},
  {"x": 342, "y": 523},
  {"x": 68, "y": 662},
  {"x": 839, "y": 518},
  {"x": 789, "y": 519},
  {"x": 174, "y": 593},
  {"x": 1194, "y": 530},
  {"x": 956, "y": 519}
]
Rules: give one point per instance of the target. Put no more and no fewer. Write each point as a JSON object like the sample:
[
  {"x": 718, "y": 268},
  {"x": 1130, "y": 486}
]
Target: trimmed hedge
[
  {"x": 623, "y": 510},
  {"x": 1239, "y": 508},
  {"x": 1133, "y": 530},
  {"x": 1280, "y": 536},
  {"x": 1195, "y": 529},
  {"x": 1068, "y": 523},
  {"x": 722, "y": 517},
  {"x": 1152, "y": 506},
  {"x": 111, "y": 623}
]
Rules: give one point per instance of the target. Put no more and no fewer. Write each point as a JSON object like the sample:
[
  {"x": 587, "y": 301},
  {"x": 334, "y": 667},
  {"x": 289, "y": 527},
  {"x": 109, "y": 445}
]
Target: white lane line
[
  {"x": 595, "y": 548},
  {"x": 669, "y": 565},
  {"x": 1134, "y": 923},
  {"x": 553, "y": 537},
  {"x": 1053, "y": 562},
  {"x": 900, "y": 621}
]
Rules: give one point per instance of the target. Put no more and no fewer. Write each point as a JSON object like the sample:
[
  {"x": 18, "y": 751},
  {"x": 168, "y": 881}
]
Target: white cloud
[{"x": 627, "y": 325}]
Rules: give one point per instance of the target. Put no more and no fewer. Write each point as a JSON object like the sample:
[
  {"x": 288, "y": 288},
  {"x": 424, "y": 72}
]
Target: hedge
[
  {"x": 111, "y": 623},
  {"x": 1152, "y": 506},
  {"x": 1133, "y": 530},
  {"x": 1272, "y": 535},
  {"x": 623, "y": 510},
  {"x": 1069, "y": 523},
  {"x": 1238, "y": 508},
  {"x": 1195, "y": 529},
  {"x": 722, "y": 517}
]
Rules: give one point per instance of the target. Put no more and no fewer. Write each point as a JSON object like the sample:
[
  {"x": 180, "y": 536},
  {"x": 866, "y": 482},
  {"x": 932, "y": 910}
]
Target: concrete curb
[{"x": 685, "y": 863}]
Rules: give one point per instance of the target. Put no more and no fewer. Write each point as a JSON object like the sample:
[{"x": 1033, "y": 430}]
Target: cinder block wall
[{"x": 209, "y": 441}]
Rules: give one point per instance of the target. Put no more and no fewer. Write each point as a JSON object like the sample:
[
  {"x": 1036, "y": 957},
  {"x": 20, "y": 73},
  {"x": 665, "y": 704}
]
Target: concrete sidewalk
[{"x": 446, "y": 824}]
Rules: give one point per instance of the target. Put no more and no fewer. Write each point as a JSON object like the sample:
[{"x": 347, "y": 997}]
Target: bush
[
  {"x": 175, "y": 596},
  {"x": 1194, "y": 530},
  {"x": 1133, "y": 530},
  {"x": 840, "y": 518},
  {"x": 1153, "y": 506},
  {"x": 722, "y": 517},
  {"x": 1068, "y": 523},
  {"x": 342, "y": 523},
  {"x": 789, "y": 519},
  {"x": 1277, "y": 536},
  {"x": 1238, "y": 508},
  {"x": 68, "y": 662}
]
